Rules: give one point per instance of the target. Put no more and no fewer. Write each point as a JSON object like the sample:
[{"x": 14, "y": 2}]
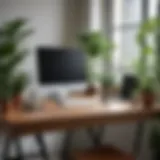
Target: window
[
  {"x": 127, "y": 17},
  {"x": 122, "y": 23},
  {"x": 153, "y": 8}
]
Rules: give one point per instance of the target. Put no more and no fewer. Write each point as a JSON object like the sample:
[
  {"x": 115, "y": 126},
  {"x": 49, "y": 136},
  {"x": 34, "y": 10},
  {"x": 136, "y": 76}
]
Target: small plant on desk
[
  {"x": 94, "y": 44},
  {"x": 145, "y": 70},
  {"x": 148, "y": 94},
  {"x": 18, "y": 87},
  {"x": 107, "y": 86}
]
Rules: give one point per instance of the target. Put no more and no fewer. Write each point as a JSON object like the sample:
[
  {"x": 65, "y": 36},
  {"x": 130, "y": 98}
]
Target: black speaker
[{"x": 129, "y": 84}]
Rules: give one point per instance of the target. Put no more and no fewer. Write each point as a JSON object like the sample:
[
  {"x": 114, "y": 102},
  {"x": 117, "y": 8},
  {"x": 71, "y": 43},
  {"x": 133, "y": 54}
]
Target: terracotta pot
[
  {"x": 17, "y": 101},
  {"x": 148, "y": 99},
  {"x": 4, "y": 106},
  {"x": 90, "y": 90}
]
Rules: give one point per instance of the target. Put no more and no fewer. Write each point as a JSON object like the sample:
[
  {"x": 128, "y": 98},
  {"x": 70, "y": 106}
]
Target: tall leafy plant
[
  {"x": 12, "y": 35},
  {"x": 107, "y": 77},
  {"x": 152, "y": 26},
  {"x": 157, "y": 51},
  {"x": 94, "y": 44},
  {"x": 144, "y": 70},
  {"x": 154, "y": 140}
]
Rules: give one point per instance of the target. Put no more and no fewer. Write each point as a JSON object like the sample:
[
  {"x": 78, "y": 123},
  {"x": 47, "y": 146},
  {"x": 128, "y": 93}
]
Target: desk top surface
[{"x": 51, "y": 112}]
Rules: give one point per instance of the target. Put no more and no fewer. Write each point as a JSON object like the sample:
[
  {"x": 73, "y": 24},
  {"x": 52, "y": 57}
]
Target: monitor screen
[{"x": 60, "y": 65}]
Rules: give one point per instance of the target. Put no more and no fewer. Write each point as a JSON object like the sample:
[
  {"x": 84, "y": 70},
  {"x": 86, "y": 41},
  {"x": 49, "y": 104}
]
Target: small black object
[{"x": 129, "y": 84}]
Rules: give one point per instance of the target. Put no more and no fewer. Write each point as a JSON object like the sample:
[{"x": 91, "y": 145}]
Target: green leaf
[
  {"x": 19, "y": 83},
  {"x": 147, "y": 50},
  {"x": 12, "y": 27},
  {"x": 140, "y": 38},
  {"x": 23, "y": 35},
  {"x": 107, "y": 80},
  {"x": 7, "y": 48},
  {"x": 94, "y": 43},
  {"x": 12, "y": 62}
]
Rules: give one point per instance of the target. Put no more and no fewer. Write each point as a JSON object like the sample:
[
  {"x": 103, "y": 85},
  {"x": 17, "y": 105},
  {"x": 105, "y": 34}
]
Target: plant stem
[
  {"x": 89, "y": 69},
  {"x": 158, "y": 57}
]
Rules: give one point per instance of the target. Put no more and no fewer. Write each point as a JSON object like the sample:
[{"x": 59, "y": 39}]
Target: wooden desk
[
  {"x": 57, "y": 118},
  {"x": 53, "y": 117}
]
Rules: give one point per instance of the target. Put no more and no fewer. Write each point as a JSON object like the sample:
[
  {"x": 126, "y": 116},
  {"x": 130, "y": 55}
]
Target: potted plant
[
  {"x": 157, "y": 55},
  {"x": 107, "y": 86},
  {"x": 12, "y": 36},
  {"x": 154, "y": 139},
  {"x": 148, "y": 93},
  {"x": 94, "y": 44},
  {"x": 145, "y": 69},
  {"x": 108, "y": 79},
  {"x": 17, "y": 87}
]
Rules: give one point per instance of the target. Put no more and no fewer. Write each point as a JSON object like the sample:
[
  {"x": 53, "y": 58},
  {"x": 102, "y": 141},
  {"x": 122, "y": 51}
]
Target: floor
[{"x": 119, "y": 135}]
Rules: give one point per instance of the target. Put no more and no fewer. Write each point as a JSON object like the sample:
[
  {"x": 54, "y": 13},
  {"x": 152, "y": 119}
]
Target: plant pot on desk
[
  {"x": 148, "y": 99},
  {"x": 12, "y": 104},
  {"x": 90, "y": 90},
  {"x": 17, "y": 102},
  {"x": 4, "y": 106}
]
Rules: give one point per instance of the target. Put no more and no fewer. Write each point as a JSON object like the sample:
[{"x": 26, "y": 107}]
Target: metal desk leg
[
  {"x": 42, "y": 146},
  {"x": 138, "y": 138},
  {"x": 67, "y": 144},
  {"x": 96, "y": 136},
  {"x": 6, "y": 149},
  {"x": 5, "y": 152},
  {"x": 101, "y": 132},
  {"x": 19, "y": 148}
]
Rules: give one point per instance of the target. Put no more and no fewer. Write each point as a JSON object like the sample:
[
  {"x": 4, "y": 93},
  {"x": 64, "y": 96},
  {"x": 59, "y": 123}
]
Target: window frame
[{"x": 120, "y": 28}]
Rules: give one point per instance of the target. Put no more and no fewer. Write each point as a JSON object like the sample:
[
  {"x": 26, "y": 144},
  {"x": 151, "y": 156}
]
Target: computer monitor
[{"x": 60, "y": 65}]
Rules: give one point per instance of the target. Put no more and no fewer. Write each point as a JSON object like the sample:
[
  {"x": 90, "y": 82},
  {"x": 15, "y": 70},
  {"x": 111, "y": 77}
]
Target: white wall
[
  {"x": 47, "y": 17},
  {"x": 55, "y": 23}
]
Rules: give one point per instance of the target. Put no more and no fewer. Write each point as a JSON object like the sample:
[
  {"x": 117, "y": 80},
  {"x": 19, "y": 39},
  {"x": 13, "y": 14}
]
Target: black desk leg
[
  {"x": 19, "y": 148},
  {"x": 6, "y": 148},
  {"x": 42, "y": 146},
  {"x": 96, "y": 136},
  {"x": 138, "y": 138},
  {"x": 67, "y": 143},
  {"x": 101, "y": 132}
]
